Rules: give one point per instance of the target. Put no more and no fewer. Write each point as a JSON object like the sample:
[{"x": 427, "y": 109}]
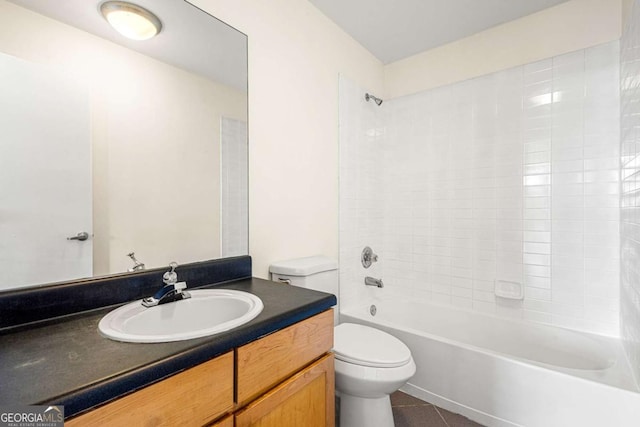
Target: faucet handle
[
  {"x": 171, "y": 277},
  {"x": 368, "y": 257},
  {"x": 137, "y": 265}
]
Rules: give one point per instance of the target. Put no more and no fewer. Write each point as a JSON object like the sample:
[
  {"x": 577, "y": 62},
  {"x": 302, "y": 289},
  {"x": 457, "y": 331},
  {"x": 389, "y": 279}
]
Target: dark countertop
[{"x": 65, "y": 361}]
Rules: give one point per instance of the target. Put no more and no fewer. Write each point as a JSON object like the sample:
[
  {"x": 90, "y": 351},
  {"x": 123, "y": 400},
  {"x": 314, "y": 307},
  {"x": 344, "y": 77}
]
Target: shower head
[{"x": 375, "y": 99}]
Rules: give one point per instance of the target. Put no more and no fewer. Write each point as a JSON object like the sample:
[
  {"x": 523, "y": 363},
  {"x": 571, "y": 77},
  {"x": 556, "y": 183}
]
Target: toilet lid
[{"x": 366, "y": 346}]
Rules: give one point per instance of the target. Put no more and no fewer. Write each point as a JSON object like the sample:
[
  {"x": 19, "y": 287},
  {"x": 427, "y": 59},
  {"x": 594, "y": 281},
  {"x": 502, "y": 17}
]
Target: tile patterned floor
[{"x": 409, "y": 411}]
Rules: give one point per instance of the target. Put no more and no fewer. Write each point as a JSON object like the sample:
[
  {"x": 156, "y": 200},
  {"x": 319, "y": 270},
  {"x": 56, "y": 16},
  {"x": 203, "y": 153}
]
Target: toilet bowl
[{"x": 370, "y": 365}]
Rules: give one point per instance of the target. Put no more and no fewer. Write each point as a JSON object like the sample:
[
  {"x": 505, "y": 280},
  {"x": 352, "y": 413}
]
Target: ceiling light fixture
[{"x": 131, "y": 20}]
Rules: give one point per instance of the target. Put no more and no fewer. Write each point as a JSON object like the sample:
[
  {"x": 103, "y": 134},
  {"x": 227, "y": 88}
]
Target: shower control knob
[{"x": 368, "y": 257}]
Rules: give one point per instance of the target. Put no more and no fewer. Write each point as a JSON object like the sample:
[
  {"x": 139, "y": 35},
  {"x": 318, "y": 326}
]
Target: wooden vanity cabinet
[
  {"x": 195, "y": 396},
  {"x": 284, "y": 379},
  {"x": 266, "y": 362},
  {"x": 288, "y": 377},
  {"x": 227, "y": 421},
  {"x": 305, "y": 399}
]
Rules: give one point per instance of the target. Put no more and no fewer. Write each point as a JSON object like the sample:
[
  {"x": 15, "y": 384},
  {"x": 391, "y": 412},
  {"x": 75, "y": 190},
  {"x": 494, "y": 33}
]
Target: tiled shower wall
[
  {"x": 361, "y": 213},
  {"x": 234, "y": 194},
  {"x": 630, "y": 197},
  {"x": 512, "y": 176}
]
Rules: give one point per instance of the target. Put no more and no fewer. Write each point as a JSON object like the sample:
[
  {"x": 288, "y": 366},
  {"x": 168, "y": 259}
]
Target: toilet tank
[{"x": 315, "y": 272}]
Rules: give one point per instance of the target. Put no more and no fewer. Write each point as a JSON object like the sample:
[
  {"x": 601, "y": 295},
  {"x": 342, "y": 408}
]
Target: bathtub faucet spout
[{"x": 370, "y": 281}]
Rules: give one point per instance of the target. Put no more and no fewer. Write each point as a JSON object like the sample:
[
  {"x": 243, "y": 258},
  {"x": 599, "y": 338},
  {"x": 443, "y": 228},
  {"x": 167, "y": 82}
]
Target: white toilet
[{"x": 370, "y": 364}]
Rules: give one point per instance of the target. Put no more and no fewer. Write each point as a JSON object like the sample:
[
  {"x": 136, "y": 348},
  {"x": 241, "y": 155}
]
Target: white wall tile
[
  {"x": 537, "y": 271},
  {"x": 511, "y": 176},
  {"x": 537, "y": 281},
  {"x": 234, "y": 215}
]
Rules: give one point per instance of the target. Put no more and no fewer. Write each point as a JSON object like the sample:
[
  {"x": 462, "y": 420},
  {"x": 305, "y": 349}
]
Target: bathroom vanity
[
  {"x": 285, "y": 378},
  {"x": 276, "y": 366},
  {"x": 85, "y": 75}
]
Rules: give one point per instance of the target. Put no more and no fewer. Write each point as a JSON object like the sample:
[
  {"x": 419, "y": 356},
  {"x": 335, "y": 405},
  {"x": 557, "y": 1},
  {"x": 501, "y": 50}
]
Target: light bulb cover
[{"x": 131, "y": 20}]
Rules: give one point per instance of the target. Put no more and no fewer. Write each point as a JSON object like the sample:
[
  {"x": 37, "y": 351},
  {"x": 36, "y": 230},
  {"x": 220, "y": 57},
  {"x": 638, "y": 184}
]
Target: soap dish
[{"x": 509, "y": 290}]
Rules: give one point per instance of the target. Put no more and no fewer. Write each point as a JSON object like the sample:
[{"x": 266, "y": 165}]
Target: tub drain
[{"x": 373, "y": 310}]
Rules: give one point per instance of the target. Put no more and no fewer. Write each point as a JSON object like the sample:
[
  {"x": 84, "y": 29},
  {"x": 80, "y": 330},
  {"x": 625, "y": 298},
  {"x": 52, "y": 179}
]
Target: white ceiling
[
  {"x": 396, "y": 29},
  {"x": 190, "y": 38}
]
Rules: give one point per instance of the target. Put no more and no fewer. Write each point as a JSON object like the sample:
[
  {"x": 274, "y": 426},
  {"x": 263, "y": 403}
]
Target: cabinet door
[
  {"x": 266, "y": 362},
  {"x": 193, "y": 397},
  {"x": 225, "y": 422},
  {"x": 306, "y": 399}
]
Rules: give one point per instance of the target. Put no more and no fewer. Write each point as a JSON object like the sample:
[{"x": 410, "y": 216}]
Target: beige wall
[
  {"x": 295, "y": 56},
  {"x": 570, "y": 26},
  {"x": 157, "y": 164}
]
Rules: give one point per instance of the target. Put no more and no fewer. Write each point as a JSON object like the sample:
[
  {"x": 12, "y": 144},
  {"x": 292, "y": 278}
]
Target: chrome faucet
[
  {"x": 137, "y": 265},
  {"x": 171, "y": 291},
  {"x": 370, "y": 281},
  {"x": 368, "y": 257}
]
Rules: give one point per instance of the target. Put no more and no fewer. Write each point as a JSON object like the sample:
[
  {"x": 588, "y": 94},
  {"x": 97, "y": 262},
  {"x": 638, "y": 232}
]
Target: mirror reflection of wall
[{"x": 154, "y": 154}]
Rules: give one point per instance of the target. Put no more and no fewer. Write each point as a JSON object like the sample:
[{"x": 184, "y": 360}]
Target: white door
[{"x": 45, "y": 175}]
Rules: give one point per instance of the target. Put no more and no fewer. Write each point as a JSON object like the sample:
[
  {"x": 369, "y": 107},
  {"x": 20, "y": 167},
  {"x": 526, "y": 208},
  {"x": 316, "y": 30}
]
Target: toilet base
[{"x": 359, "y": 411}]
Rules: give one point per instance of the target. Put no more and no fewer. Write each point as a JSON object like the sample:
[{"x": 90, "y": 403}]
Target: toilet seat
[{"x": 365, "y": 346}]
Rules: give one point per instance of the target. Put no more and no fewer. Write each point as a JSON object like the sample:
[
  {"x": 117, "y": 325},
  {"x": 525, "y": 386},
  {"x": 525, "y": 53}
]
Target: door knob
[{"x": 82, "y": 236}]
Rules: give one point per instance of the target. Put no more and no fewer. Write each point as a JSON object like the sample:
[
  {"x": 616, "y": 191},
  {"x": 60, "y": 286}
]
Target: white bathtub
[{"x": 502, "y": 372}]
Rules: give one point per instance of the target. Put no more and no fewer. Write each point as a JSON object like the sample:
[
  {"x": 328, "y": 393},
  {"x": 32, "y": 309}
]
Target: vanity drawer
[
  {"x": 264, "y": 363},
  {"x": 306, "y": 399},
  {"x": 196, "y": 396}
]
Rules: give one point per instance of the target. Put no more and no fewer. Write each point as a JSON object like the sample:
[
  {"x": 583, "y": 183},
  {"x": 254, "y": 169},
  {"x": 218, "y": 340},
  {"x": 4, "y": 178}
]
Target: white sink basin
[{"x": 207, "y": 312}]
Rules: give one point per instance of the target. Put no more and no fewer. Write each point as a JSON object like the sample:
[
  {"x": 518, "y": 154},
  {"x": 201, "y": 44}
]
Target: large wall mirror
[{"x": 111, "y": 146}]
